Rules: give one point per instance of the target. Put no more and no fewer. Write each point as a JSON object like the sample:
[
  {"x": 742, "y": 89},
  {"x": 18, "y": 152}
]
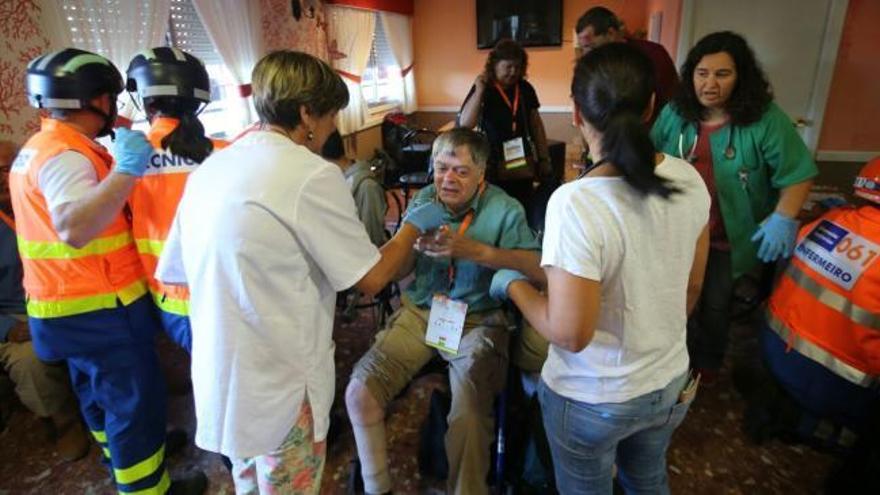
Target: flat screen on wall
[{"x": 530, "y": 22}]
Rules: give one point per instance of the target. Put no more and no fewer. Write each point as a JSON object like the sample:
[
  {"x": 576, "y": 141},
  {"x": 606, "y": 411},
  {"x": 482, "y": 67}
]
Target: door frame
[{"x": 834, "y": 19}]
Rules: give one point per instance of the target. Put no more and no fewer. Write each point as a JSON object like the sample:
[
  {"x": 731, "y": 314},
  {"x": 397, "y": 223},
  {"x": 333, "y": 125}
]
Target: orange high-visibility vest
[
  {"x": 153, "y": 204},
  {"x": 827, "y": 303},
  {"x": 61, "y": 280}
]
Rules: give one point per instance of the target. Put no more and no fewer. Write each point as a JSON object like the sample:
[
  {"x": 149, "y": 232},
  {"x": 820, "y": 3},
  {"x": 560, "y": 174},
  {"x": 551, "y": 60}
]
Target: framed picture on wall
[{"x": 530, "y": 22}]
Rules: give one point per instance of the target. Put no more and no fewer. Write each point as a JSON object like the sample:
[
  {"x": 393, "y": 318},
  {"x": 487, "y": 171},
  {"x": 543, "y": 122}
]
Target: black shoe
[
  {"x": 175, "y": 441},
  {"x": 193, "y": 483}
]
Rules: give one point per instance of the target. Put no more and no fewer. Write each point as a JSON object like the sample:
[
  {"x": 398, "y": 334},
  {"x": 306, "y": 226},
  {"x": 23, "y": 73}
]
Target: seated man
[
  {"x": 454, "y": 269},
  {"x": 822, "y": 338},
  {"x": 42, "y": 388},
  {"x": 369, "y": 195}
]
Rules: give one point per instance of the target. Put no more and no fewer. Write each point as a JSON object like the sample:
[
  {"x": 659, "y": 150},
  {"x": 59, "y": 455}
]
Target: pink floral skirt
[{"x": 295, "y": 468}]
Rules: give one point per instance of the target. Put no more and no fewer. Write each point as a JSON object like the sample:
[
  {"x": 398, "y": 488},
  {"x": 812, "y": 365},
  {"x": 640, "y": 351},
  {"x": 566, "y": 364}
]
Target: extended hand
[
  {"x": 501, "y": 282},
  {"x": 777, "y": 234},
  {"x": 132, "y": 152}
]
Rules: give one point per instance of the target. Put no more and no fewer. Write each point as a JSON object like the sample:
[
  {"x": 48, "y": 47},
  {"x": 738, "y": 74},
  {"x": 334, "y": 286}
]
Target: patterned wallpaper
[
  {"x": 22, "y": 40},
  {"x": 281, "y": 30}
]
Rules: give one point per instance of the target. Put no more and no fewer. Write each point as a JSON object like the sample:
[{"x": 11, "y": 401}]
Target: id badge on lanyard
[
  {"x": 447, "y": 316},
  {"x": 514, "y": 148},
  {"x": 514, "y": 153}
]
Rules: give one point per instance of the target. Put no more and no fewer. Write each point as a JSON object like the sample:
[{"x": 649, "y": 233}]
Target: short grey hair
[
  {"x": 475, "y": 142},
  {"x": 285, "y": 80}
]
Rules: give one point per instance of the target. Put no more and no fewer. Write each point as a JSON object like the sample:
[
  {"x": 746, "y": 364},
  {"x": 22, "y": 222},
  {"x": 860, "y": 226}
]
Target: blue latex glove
[
  {"x": 428, "y": 216},
  {"x": 501, "y": 281},
  {"x": 132, "y": 152},
  {"x": 777, "y": 234}
]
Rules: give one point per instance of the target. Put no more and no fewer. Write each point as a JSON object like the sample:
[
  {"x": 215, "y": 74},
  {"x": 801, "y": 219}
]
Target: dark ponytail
[
  {"x": 612, "y": 88},
  {"x": 188, "y": 139}
]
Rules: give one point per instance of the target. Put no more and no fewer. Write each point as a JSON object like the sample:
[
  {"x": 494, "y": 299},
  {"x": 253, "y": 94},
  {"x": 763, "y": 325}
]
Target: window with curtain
[
  {"x": 381, "y": 83},
  {"x": 182, "y": 29},
  {"x": 186, "y": 31}
]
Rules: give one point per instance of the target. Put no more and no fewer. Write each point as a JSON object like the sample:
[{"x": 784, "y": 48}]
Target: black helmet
[
  {"x": 70, "y": 78},
  {"x": 168, "y": 71}
]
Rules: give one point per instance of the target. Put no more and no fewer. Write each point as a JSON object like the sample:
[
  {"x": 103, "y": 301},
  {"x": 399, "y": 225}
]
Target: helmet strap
[{"x": 109, "y": 118}]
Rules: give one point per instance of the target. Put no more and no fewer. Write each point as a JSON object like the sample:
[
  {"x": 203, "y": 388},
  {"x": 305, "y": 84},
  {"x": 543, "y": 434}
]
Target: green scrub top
[{"x": 769, "y": 156}]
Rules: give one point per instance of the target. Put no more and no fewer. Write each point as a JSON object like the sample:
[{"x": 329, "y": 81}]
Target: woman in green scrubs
[{"x": 758, "y": 171}]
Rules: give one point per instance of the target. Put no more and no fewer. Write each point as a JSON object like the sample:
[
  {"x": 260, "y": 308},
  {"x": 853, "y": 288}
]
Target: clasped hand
[{"x": 445, "y": 242}]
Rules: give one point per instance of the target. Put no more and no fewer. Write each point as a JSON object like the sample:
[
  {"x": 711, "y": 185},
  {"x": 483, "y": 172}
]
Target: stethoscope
[
  {"x": 729, "y": 153},
  {"x": 691, "y": 157}
]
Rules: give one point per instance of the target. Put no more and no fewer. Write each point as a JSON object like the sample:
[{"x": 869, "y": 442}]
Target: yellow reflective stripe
[
  {"x": 820, "y": 355},
  {"x": 833, "y": 300},
  {"x": 140, "y": 470},
  {"x": 160, "y": 489},
  {"x": 69, "y": 307},
  {"x": 169, "y": 305},
  {"x": 39, "y": 250},
  {"x": 100, "y": 436},
  {"x": 106, "y": 452},
  {"x": 150, "y": 246}
]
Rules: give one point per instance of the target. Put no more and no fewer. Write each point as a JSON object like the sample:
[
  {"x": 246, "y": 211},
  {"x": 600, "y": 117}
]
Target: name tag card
[
  {"x": 445, "y": 324},
  {"x": 514, "y": 153}
]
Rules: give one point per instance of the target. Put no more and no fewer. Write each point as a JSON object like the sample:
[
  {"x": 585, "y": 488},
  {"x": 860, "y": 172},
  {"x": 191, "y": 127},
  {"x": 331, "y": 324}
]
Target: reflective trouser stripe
[
  {"x": 159, "y": 489},
  {"x": 70, "y": 307},
  {"x": 101, "y": 437},
  {"x": 169, "y": 305},
  {"x": 833, "y": 300},
  {"x": 819, "y": 355},
  {"x": 142, "y": 469}
]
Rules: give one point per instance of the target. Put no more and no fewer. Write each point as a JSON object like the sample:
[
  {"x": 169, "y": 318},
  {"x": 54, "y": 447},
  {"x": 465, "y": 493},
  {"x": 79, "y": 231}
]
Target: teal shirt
[
  {"x": 500, "y": 221},
  {"x": 770, "y": 156}
]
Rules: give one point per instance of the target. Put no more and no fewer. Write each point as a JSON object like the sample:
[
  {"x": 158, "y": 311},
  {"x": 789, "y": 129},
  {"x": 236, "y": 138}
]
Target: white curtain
[
  {"x": 116, "y": 29},
  {"x": 352, "y": 31},
  {"x": 398, "y": 32},
  {"x": 235, "y": 29}
]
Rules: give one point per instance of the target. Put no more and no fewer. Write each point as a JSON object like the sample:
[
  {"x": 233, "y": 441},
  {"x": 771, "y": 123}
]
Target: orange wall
[
  {"x": 447, "y": 58},
  {"x": 671, "y": 10},
  {"x": 850, "y": 122}
]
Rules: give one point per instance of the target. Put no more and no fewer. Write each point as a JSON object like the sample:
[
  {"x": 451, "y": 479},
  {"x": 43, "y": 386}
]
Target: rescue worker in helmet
[
  {"x": 87, "y": 297},
  {"x": 822, "y": 338},
  {"x": 172, "y": 87}
]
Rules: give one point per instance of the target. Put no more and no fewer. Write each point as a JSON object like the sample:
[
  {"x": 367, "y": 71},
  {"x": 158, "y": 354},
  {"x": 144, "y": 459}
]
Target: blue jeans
[{"x": 586, "y": 440}]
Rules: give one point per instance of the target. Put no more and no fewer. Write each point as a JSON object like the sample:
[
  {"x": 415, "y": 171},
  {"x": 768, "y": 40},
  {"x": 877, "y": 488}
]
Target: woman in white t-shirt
[{"x": 624, "y": 251}]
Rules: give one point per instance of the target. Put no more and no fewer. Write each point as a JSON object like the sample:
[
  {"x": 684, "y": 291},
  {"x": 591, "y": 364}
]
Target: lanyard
[
  {"x": 7, "y": 220},
  {"x": 465, "y": 224},
  {"x": 513, "y": 106}
]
